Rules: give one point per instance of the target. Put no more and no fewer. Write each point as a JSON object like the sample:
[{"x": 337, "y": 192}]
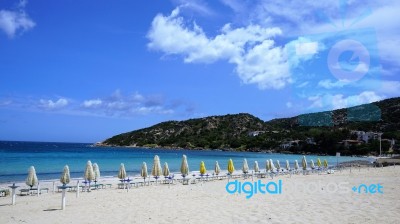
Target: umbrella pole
[
  {"x": 63, "y": 199},
  {"x": 13, "y": 197},
  {"x": 38, "y": 189},
  {"x": 54, "y": 187},
  {"x": 77, "y": 189}
]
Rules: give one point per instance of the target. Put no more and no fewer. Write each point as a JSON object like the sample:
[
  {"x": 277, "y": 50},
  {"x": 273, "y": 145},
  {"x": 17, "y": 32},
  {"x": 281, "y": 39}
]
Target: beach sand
[{"x": 325, "y": 198}]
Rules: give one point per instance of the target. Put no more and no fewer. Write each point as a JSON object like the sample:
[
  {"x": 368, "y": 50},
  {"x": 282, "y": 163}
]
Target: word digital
[{"x": 251, "y": 188}]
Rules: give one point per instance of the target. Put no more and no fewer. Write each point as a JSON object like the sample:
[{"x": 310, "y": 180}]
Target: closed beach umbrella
[
  {"x": 278, "y": 165},
  {"x": 245, "y": 167},
  {"x": 231, "y": 167},
  {"x": 156, "y": 171},
  {"x": 272, "y": 165},
  {"x": 122, "y": 172},
  {"x": 65, "y": 176},
  {"x": 304, "y": 163},
  {"x": 203, "y": 169},
  {"x": 96, "y": 171},
  {"x": 143, "y": 171},
  {"x": 287, "y": 165},
  {"x": 296, "y": 165},
  {"x": 312, "y": 164},
  {"x": 267, "y": 166},
  {"x": 89, "y": 173},
  {"x": 217, "y": 169},
  {"x": 325, "y": 163},
  {"x": 319, "y": 164},
  {"x": 32, "y": 179},
  {"x": 165, "y": 170},
  {"x": 256, "y": 168},
  {"x": 184, "y": 166}
]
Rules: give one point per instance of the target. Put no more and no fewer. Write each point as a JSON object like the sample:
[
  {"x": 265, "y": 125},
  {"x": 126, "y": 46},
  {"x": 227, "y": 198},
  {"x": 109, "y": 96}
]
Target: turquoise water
[{"x": 50, "y": 158}]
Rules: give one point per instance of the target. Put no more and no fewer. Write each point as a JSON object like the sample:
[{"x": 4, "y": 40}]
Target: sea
[{"x": 49, "y": 159}]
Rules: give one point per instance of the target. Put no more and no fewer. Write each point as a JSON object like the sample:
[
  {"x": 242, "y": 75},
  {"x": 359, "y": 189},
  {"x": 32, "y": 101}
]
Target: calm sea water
[{"x": 50, "y": 158}]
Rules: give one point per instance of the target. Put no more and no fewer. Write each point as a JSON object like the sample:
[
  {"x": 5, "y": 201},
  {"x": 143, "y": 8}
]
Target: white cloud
[
  {"x": 92, "y": 103},
  {"x": 306, "y": 48},
  {"x": 257, "y": 58},
  {"x": 338, "y": 101},
  {"x": 13, "y": 22},
  {"x": 328, "y": 84},
  {"x": 52, "y": 105}
]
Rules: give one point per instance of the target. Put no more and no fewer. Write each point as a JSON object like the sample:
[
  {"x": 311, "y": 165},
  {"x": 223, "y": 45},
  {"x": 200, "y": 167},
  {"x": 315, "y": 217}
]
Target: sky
[{"x": 83, "y": 71}]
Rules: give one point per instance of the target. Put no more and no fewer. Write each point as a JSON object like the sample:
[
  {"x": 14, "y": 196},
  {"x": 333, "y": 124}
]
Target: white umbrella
[
  {"x": 166, "y": 170},
  {"x": 287, "y": 165},
  {"x": 156, "y": 171},
  {"x": 278, "y": 165},
  {"x": 245, "y": 167},
  {"x": 296, "y": 165},
  {"x": 312, "y": 164},
  {"x": 272, "y": 165},
  {"x": 96, "y": 171},
  {"x": 32, "y": 179},
  {"x": 65, "y": 176},
  {"x": 122, "y": 172},
  {"x": 89, "y": 173},
  {"x": 143, "y": 171},
  {"x": 267, "y": 166},
  {"x": 256, "y": 168},
  {"x": 184, "y": 166},
  {"x": 217, "y": 169},
  {"x": 65, "y": 179}
]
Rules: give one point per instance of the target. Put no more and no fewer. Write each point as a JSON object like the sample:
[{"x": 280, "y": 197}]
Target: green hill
[{"x": 322, "y": 131}]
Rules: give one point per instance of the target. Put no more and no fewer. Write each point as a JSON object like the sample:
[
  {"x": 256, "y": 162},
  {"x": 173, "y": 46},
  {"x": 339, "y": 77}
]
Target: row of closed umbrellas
[{"x": 92, "y": 171}]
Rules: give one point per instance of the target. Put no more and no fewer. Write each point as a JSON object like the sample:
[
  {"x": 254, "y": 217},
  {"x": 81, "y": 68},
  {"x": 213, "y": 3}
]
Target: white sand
[{"x": 210, "y": 203}]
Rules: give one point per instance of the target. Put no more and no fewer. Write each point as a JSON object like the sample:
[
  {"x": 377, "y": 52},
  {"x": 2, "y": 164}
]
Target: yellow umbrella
[
  {"x": 319, "y": 164},
  {"x": 325, "y": 163},
  {"x": 203, "y": 169},
  {"x": 231, "y": 168}
]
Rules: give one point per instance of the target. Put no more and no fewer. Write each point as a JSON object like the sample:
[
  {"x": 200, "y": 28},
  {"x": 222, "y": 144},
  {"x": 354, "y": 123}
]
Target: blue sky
[{"x": 84, "y": 71}]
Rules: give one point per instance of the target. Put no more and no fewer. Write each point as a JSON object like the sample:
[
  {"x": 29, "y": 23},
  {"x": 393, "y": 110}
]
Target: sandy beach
[{"x": 313, "y": 198}]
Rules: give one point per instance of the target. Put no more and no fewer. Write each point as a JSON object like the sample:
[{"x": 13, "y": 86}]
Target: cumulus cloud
[
  {"x": 252, "y": 49},
  {"x": 17, "y": 21},
  {"x": 53, "y": 105},
  {"x": 338, "y": 101}
]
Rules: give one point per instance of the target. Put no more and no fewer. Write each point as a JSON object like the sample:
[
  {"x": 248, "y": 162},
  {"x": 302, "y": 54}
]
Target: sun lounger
[{"x": 4, "y": 192}]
